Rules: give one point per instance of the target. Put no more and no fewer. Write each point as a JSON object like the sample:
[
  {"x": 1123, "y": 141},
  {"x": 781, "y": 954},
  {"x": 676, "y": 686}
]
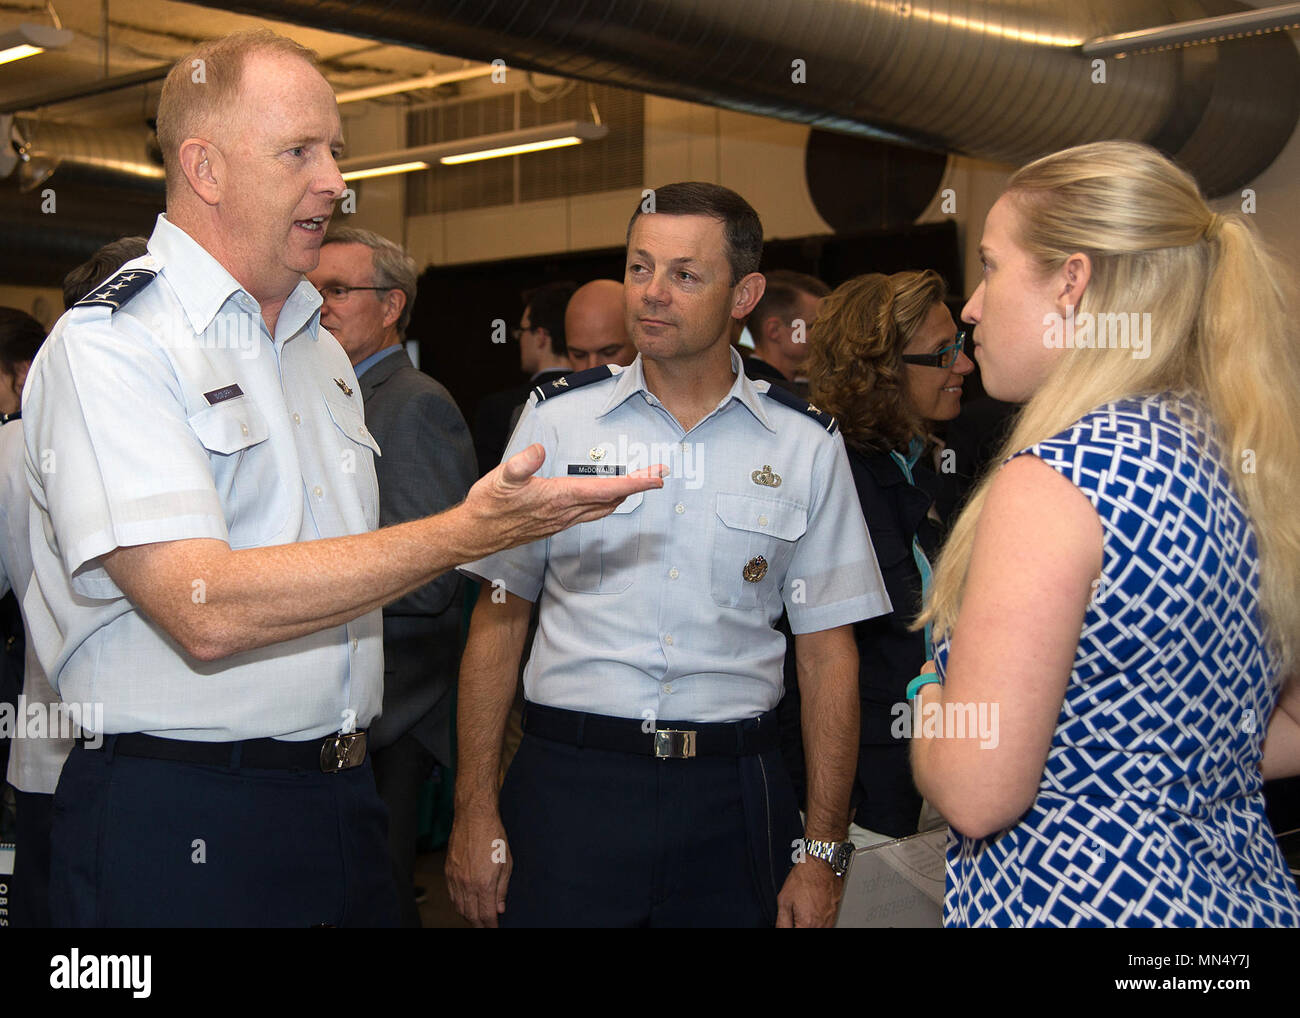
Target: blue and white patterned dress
[{"x": 1149, "y": 812}]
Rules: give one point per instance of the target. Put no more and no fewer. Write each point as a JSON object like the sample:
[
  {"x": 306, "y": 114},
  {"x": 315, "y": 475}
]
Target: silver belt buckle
[
  {"x": 341, "y": 752},
  {"x": 674, "y": 744}
]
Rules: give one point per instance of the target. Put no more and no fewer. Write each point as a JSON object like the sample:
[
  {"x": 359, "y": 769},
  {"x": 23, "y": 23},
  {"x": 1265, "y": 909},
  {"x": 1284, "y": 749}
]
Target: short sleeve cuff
[
  {"x": 499, "y": 571},
  {"x": 816, "y": 618},
  {"x": 91, "y": 580}
]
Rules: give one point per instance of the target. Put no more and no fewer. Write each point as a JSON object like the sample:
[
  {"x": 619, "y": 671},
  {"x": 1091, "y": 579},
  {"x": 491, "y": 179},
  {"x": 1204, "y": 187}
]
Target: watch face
[{"x": 843, "y": 853}]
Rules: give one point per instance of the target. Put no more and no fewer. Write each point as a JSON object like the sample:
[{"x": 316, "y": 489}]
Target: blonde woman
[{"x": 1122, "y": 596}]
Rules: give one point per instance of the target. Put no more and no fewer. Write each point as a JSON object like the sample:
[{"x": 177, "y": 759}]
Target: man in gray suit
[{"x": 427, "y": 465}]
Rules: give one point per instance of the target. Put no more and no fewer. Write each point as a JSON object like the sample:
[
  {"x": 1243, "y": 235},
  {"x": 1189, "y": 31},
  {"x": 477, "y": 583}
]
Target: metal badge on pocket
[{"x": 755, "y": 569}]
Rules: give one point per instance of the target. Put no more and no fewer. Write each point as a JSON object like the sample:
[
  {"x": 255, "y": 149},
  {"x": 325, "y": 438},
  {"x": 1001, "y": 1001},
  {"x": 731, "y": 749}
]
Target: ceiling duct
[
  {"x": 118, "y": 156},
  {"x": 996, "y": 79},
  {"x": 45, "y": 235},
  {"x": 68, "y": 191}
]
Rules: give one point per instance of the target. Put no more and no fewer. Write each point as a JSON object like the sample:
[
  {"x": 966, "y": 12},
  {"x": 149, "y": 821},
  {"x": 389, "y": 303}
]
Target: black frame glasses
[
  {"x": 945, "y": 357},
  {"x": 339, "y": 292}
]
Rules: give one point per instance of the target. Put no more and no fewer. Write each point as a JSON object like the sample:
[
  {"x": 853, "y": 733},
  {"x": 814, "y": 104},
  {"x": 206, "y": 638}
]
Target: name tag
[
  {"x": 221, "y": 395},
  {"x": 596, "y": 470}
]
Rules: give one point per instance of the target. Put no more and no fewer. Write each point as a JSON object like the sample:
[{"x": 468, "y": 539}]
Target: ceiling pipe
[
  {"x": 119, "y": 156},
  {"x": 978, "y": 77},
  {"x": 1280, "y": 18},
  {"x": 85, "y": 90}
]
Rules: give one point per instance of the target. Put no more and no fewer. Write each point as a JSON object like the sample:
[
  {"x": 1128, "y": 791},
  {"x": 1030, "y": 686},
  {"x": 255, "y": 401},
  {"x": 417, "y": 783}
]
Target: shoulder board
[
  {"x": 803, "y": 406},
  {"x": 574, "y": 381},
  {"x": 115, "y": 291}
]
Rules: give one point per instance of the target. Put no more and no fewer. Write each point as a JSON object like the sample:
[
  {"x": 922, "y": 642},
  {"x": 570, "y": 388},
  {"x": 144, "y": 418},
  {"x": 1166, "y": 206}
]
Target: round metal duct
[{"x": 998, "y": 80}]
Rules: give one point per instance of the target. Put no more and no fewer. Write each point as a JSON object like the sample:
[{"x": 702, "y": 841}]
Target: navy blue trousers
[
  {"x": 29, "y": 899},
  {"x": 611, "y": 839},
  {"x": 140, "y": 842}
]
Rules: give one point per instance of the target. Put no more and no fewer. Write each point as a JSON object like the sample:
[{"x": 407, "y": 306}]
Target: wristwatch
[{"x": 836, "y": 853}]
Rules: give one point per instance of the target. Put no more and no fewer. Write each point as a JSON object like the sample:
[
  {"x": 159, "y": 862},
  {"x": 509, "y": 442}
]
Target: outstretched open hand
[{"x": 514, "y": 506}]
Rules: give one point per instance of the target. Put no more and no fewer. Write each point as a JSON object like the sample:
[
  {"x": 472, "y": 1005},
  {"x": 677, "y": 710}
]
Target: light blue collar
[
  {"x": 632, "y": 381},
  {"x": 203, "y": 286}
]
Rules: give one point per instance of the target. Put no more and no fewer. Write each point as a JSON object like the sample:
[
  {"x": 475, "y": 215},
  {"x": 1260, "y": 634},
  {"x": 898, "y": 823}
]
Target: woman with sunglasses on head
[
  {"x": 1125, "y": 588},
  {"x": 886, "y": 359}
]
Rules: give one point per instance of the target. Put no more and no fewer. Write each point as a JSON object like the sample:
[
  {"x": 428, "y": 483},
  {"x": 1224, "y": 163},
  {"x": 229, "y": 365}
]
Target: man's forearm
[
  {"x": 215, "y": 602},
  {"x": 218, "y": 602},
  {"x": 488, "y": 676},
  {"x": 828, "y": 691}
]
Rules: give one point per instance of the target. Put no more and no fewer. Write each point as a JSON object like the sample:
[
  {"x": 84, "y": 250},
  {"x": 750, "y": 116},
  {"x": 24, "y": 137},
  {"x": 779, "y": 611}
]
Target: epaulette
[
  {"x": 574, "y": 381},
  {"x": 803, "y": 406},
  {"x": 115, "y": 291}
]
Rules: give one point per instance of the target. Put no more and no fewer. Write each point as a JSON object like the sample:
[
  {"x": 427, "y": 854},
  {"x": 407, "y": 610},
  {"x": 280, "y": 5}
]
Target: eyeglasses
[
  {"x": 339, "y": 294},
  {"x": 517, "y": 333},
  {"x": 943, "y": 358}
]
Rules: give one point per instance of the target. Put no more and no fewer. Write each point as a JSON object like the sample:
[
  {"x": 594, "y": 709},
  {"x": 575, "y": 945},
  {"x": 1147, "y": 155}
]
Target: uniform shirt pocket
[
  {"x": 231, "y": 432},
  {"x": 599, "y": 557},
  {"x": 753, "y": 536},
  {"x": 349, "y": 418}
]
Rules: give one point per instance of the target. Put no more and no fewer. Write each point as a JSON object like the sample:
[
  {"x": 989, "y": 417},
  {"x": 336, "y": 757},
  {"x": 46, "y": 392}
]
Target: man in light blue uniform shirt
[
  {"x": 204, "y": 565},
  {"x": 649, "y": 788}
]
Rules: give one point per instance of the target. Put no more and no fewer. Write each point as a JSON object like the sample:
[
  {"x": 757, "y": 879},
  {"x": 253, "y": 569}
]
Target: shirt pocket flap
[
  {"x": 630, "y": 503},
  {"x": 784, "y": 520},
  {"x": 350, "y": 420},
  {"x": 229, "y": 427}
]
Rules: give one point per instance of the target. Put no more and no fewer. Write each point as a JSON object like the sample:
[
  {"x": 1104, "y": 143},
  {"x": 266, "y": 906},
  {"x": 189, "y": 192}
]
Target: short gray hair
[{"x": 392, "y": 266}]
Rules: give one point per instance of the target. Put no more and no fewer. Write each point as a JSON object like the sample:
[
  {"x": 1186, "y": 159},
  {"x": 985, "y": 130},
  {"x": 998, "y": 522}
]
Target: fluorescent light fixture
[
  {"x": 485, "y": 146},
  {"x": 28, "y": 40},
  {"x": 430, "y": 80},
  {"x": 1280, "y": 18},
  {"x": 19, "y": 52},
  {"x": 511, "y": 150},
  {"x": 384, "y": 171}
]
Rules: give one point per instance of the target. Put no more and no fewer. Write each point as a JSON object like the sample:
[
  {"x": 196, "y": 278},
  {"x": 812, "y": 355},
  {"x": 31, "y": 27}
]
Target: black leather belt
[
  {"x": 664, "y": 739},
  {"x": 337, "y": 753}
]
